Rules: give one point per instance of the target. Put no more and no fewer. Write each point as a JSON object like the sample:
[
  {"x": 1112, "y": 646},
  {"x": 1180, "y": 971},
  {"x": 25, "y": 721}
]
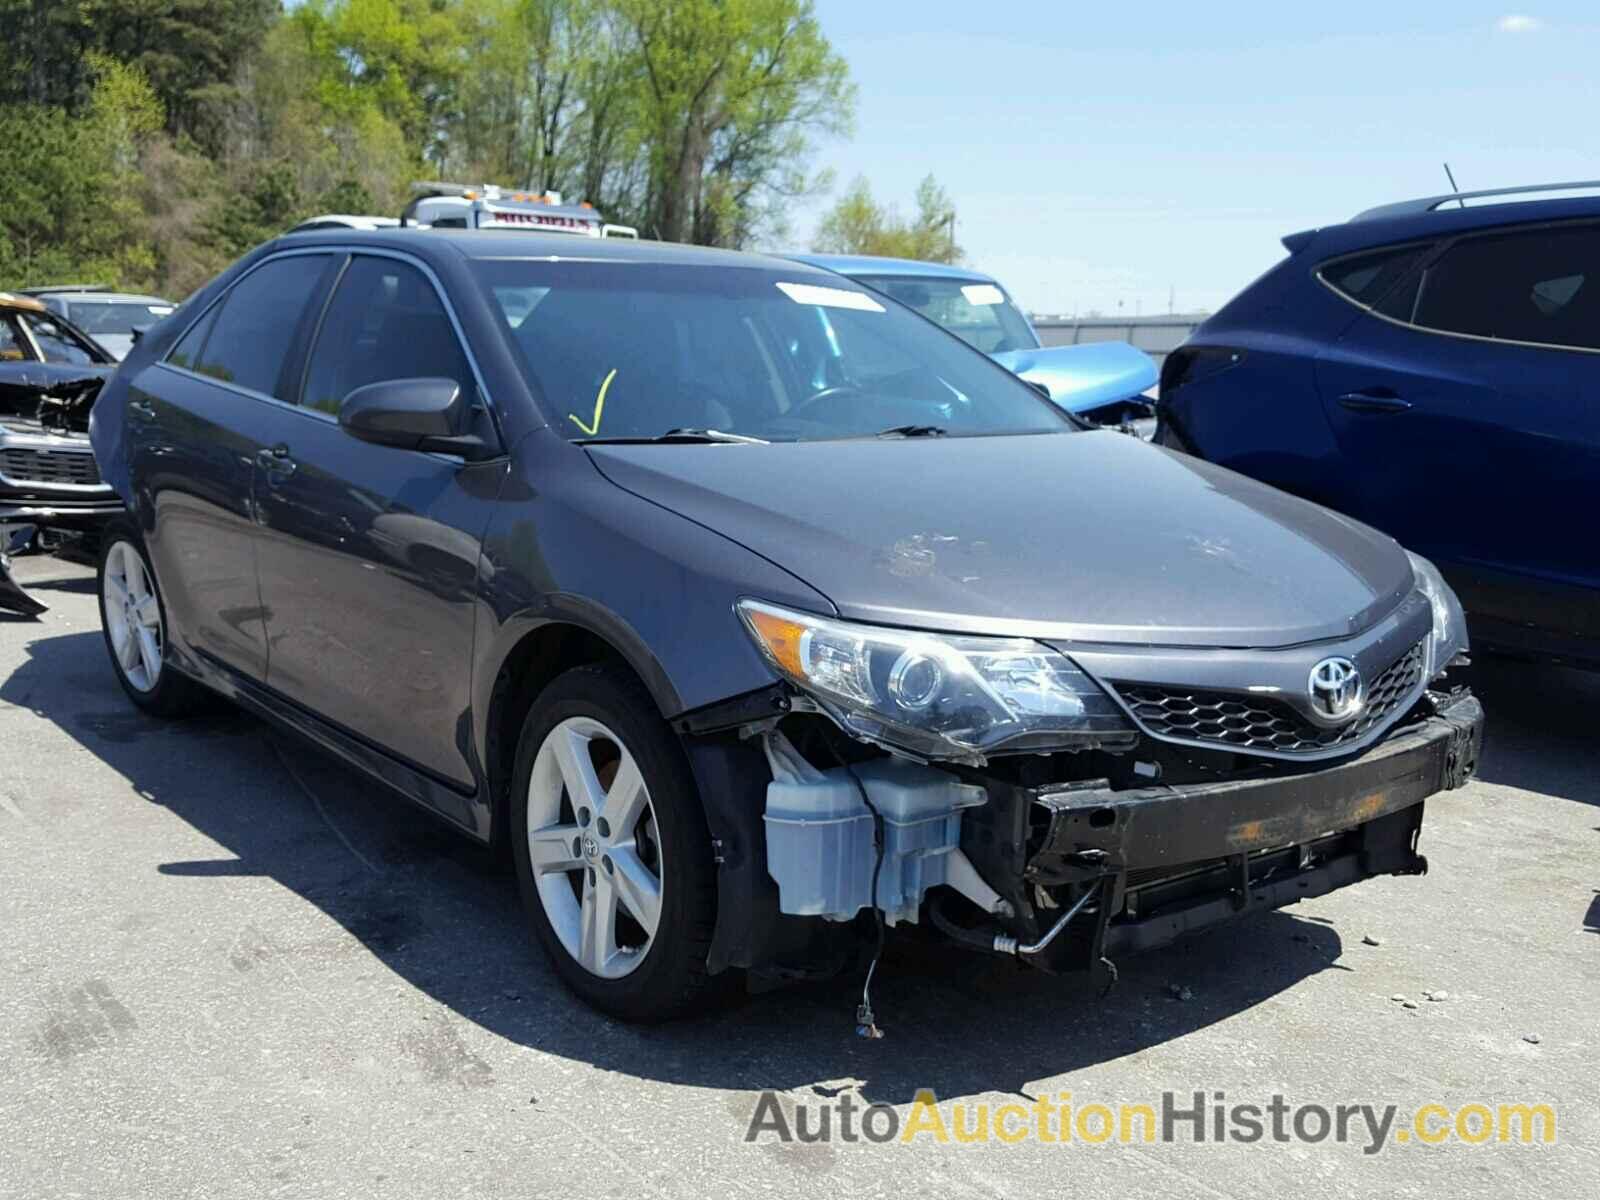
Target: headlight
[
  {"x": 958, "y": 698},
  {"x": 1449, "y": 637}
]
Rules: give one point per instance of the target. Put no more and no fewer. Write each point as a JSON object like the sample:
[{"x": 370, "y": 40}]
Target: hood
[
  {"x": 1081, "y": 378},
  {"x": 56, "y": 393},
  {"x": 1092, "y": 537}
]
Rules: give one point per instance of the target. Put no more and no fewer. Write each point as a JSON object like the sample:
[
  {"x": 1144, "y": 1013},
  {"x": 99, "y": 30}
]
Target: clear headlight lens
[
  {"x": 1449, "y": 637},
  {"x": 937, "y": 696}
]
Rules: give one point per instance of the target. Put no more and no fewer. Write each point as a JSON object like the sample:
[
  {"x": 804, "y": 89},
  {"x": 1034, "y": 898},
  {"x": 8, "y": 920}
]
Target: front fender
[{"x": 568, "y": 545}]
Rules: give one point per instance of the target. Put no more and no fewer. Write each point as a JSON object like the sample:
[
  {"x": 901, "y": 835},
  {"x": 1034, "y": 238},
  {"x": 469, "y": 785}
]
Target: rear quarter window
[
  {"x": 1370, "y": 279},
  {"x": 186, "y": 353}
]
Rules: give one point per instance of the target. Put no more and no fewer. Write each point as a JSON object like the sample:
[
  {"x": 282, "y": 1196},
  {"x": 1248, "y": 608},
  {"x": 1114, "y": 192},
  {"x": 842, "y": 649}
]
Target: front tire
[
  {"x": 134, "y": 622},
  {"x": 612, "y": 853}
]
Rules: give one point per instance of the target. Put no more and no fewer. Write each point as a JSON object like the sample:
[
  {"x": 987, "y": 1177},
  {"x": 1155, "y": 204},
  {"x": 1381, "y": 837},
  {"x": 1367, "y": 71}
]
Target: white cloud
[{"x": 1519, "y": 23}]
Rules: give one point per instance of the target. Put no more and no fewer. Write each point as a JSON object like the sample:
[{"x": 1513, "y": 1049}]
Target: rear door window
[
  {"x": 251, "y": 337},
  {"x": 385, "y": 321},
  {"x": 1540, "y": 286}
]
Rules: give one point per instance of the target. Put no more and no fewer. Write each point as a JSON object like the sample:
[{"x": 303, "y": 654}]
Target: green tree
[
  {"x": 733, "y": 91},
  {"x": 69, "y": 183},
  {"x": 400, "y": 58},
  {"x": 858, "y": 224},
  {"x": 187, "y": 50},
  {"x": 289, "y": 153},
  {"x": 149, "y": 141},
  {"x": 43, "y": 55},
  {"x": 517, "y": 108}
]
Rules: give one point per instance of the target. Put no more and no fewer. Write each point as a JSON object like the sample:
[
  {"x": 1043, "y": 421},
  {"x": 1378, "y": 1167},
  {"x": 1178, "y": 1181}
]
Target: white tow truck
[{"x": 482, "y": 206}]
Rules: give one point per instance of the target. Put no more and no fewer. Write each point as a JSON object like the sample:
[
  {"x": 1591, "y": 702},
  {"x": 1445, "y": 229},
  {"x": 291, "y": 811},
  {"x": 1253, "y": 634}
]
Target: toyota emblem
[{"x": 1336, "y": 691}]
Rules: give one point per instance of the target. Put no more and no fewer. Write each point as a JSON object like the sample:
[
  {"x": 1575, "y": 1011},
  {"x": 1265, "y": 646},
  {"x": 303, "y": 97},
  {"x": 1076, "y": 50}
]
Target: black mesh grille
[
  {"x": 21, "y": 465},
  {"x": 1250, "y": 722}
]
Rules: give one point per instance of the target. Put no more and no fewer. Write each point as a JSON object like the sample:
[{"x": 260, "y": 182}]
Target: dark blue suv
[{"x": 1431, "y": 368}]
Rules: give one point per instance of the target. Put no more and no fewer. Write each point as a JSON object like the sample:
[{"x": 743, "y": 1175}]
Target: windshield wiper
[
  {"x": 685, "y": 436},
  {"x": 911, "y": 431}
]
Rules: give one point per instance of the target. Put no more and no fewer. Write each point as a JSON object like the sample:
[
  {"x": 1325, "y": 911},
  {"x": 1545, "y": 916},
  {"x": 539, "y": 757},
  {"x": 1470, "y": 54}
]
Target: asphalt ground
[{"x": 229, "y": 967}]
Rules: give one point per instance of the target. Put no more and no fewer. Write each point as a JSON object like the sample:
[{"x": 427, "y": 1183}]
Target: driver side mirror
[{"x": 427, "y": 414}]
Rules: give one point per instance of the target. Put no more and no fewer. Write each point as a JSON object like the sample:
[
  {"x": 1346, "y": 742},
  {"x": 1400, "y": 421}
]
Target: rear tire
[
  {"x": 612, "y": 852},
  {"x": 134, "y": 622}
]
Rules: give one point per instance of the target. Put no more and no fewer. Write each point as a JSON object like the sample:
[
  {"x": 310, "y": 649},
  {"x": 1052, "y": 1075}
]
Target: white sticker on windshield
[
  {"x": 983, "y": 293},
  {"x": 829, "y": 297},
  {"x": 159, "y": 310}
]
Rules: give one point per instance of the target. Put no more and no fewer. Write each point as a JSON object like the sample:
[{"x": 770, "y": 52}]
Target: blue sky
[{"x": 1105, "y": 153}]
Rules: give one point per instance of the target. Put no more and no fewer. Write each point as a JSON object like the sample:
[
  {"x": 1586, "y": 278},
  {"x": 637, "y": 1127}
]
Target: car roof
[
  {"x": 1449, "y": 214},
  {"x": 872, "y": 264},
  {"x": 49, "y": 288},
  {"x": 106, "y": 297},
  {"x": 1535, "y": 193},
  {"x": 519, "y": 244},
  {"x": 345, "y": 221}
]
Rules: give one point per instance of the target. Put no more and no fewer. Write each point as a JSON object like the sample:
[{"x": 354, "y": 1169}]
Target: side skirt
[{"x": 466, "y": 812}]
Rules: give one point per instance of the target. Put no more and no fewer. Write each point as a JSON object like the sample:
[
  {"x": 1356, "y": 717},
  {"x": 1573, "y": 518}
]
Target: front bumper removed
[{"x": 1145, "y": 866}]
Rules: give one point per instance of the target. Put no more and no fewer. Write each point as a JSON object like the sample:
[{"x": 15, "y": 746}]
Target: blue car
[
  {"x": 1103, "y": 382},
  {"x": 1431, "y": 368}
]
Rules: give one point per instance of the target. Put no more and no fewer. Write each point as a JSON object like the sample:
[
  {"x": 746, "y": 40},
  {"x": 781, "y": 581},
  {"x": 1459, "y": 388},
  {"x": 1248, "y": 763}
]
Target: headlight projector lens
[{"x": 915, "y": 680}]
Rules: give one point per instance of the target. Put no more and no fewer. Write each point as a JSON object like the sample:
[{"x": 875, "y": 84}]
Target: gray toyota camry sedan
[{"x": 755, "y": 613}]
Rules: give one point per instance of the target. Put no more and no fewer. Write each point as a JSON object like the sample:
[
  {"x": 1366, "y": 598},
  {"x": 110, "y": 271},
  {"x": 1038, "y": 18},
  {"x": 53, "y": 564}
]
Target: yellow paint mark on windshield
[{"x": 599, "y": 407}]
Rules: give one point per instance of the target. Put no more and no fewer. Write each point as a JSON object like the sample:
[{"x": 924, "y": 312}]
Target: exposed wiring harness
[{"x": 866, "y": 1021}]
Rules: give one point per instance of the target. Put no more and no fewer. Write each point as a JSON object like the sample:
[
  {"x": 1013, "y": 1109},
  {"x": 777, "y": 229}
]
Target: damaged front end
[
  {"x": 1149, "y": 825},
  {"x": 1148, "y": 864},
  {"x": 50, "y": 487}
]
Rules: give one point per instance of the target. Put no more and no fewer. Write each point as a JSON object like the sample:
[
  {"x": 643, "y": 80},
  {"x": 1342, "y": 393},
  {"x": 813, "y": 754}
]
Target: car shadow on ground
[
  {"x": 443, "y": 915},
  {"x": 75, "y": 584},
  {"x": 1539, "y": 727}
]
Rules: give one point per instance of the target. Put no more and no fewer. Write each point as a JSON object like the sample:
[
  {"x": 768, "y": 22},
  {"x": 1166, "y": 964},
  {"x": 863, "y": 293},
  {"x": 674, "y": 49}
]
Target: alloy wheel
[
  {"x": 594, "y": 847},
  {"x": 133, "y": 616}
]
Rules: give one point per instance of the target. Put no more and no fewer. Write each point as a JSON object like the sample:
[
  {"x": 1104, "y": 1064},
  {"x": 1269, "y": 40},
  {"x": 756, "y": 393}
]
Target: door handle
[
  {"x": 276, "y": 461},
  {"x": 1378, "y": 400},
  {"x": 142, "y": 408}
]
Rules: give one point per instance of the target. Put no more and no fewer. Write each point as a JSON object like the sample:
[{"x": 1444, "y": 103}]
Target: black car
[{"x": 754, "y": 612}]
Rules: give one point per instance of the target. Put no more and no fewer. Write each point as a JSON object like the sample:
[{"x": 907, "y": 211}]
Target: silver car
[{"x": 111, "y": 318}]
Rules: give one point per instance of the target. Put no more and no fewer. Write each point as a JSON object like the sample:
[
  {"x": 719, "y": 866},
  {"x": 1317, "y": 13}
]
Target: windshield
[
  {"x": 58, "y": 344},
  {"x": 115, "y": 317},
  {"x": 978, "y": 313},
  {"x": 636, "y": 350}
]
